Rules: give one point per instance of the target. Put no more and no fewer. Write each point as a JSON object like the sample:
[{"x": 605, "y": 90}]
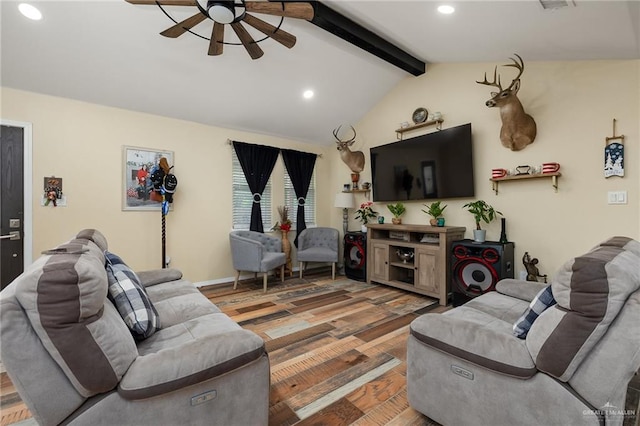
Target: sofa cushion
[
  {"x": 543, "y": 300},
  {"x": 188, "y": 353},
  {"x": 477, "y": 337},
  {"x": 65, "y": 298},
  {"x": 317, "y": 254},
  {"x": 590, "y": 291},
  {"x": 94, "y": 236},
  {"x": 624, "y": 243},
  {"x": 158, "y": 276},
  {"x": 129, "y": 296}
]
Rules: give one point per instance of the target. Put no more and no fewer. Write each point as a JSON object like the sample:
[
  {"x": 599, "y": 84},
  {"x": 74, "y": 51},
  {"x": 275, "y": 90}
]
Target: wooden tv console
[{"x": 427, "y": 271}]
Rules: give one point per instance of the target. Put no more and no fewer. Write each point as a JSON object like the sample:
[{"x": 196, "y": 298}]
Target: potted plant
[
  {"x": 435, "y": 210},
  {"x": 364, "y": 213},
  {"x": 482, "y": 212},
  {"x": 396, "y": 210}
]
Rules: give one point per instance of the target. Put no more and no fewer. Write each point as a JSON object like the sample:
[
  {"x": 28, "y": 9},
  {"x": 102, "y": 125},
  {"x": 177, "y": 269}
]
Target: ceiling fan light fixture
[{"x": 223, "y": 12}]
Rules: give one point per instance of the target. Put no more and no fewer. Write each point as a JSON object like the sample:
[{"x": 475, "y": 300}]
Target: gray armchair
[
  {"x": 256, "y": 252},
  {"x": 318, "y": 245}
]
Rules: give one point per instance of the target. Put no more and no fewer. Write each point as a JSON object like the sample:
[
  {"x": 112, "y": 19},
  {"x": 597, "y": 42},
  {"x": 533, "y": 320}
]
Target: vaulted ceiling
[{"x": 111, "y": 53}]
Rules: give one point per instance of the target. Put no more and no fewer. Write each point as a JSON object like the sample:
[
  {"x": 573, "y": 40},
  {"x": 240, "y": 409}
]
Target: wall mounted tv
[{"x": 433, "y": 166}]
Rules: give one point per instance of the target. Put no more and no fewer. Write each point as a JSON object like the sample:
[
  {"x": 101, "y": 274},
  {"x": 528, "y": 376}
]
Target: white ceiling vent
[{"x": 556, "y": 4}]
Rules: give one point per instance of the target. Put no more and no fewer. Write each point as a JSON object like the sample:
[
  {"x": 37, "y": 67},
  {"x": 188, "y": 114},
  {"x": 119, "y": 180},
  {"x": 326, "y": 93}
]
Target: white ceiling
[{"x": 111, "y": 53}]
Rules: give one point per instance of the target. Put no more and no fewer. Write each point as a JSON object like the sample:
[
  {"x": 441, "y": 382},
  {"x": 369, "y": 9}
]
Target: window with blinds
[
  {"x": 291, "y": 200},
  {"x": 243, "y": 198}
]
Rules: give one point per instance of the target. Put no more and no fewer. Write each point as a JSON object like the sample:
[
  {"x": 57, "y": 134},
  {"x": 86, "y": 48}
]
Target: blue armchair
[{"x": 256, "y": 252}]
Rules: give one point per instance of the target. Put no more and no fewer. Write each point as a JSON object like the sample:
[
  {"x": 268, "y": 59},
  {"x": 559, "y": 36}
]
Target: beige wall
[
  {"x": 82, "y": 143},
  {"x": 573, "y": 104}
]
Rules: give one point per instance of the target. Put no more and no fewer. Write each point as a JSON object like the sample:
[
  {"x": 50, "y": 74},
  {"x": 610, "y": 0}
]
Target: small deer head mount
[
  {"x": 518, "y": 128},
  {"x": 353, "y": 159}
]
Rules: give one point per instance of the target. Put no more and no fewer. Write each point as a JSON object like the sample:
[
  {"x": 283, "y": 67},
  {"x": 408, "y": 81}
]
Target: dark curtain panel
[
  {"x": 257, "y": 163},
  {"x": 300, "y": 167}
]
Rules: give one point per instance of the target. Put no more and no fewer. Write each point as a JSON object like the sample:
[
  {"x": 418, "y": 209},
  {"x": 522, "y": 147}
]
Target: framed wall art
[{"x": 138, "y": 167}]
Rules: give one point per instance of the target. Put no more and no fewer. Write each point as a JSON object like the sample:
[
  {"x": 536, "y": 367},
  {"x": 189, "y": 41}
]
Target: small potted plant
[
  {"x": 364, "y": 213},
  {"x": 482, "y": 212},
  {"x": 396, "y": 210},
  {"x": 435, "y": 210}
]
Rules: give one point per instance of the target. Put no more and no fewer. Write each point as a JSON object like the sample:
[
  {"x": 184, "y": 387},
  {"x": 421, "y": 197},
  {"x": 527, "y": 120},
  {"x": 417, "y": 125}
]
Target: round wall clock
[{"x": 419, "y": 115}]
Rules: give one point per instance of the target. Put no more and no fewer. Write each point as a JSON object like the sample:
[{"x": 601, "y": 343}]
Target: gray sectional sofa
[
  {"x": 573, "y": 367},
  {"x": 74, "y": 360}
]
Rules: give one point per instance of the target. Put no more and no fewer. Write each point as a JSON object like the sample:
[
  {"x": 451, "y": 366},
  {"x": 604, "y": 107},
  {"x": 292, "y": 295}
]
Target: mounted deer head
[
  {"x": 353, "y": 159},
  {"x": 518, "y": 128}
]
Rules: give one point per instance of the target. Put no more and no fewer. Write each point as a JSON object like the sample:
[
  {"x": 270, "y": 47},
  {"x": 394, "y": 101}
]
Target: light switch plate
[{"x": 617, "y": 197}]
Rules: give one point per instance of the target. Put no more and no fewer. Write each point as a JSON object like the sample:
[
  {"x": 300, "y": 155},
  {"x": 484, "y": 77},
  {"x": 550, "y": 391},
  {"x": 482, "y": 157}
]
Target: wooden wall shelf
[
  {"x": 358, "y": 190},
  {"x": 553, "y": 176},
  {"x": 400, "y": 132}
]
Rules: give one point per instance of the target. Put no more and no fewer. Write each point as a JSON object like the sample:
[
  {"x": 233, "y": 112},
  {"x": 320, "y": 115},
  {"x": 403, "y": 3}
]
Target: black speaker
[
  {"x": 355, "y": 255},
  {"x": 477, "y": 267}
]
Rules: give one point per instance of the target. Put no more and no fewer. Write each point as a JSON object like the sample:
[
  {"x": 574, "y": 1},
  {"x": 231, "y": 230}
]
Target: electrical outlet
[{"x": 617, "y": 197}]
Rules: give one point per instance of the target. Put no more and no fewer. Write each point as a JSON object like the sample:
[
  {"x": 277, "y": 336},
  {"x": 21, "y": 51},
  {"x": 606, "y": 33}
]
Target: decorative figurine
[{"x": 532, "y": 270}]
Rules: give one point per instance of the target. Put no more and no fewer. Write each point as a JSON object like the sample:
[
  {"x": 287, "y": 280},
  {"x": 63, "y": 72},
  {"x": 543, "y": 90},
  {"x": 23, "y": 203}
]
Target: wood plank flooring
[{"x": 337, "y": 349}]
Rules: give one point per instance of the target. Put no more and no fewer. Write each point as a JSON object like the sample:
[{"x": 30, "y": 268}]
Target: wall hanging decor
[
  {"x": 518, "y": 128},
  {"x": 614, "y": 154},
  {"x": 139, "y": 166},
  {"x": 53, "y": 192},
  {"x": 353, "y": 159}
]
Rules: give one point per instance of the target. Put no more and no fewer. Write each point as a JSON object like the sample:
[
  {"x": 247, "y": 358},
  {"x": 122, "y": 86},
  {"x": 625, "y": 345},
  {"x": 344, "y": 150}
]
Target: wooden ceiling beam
[{"x": 343, "y": 27}]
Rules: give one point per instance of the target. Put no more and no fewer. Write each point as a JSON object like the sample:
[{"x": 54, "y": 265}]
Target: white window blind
[
  {"x": 291, "y": 200},
  {"x": 243, "y": 198}
]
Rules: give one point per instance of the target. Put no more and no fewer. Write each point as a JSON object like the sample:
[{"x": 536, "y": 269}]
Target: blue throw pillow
[
  {"x": 543, "y": 300},
  {"x": 130, "y": 298}
]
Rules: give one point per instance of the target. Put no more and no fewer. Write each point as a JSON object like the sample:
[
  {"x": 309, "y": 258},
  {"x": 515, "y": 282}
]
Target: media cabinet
[{"x": 428, "y": 271}]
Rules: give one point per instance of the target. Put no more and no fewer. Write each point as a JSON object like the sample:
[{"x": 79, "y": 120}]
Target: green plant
[
  {"x": 434, "y": 209},
  {"x": 482, "y": 212},
  {"x": 396, "y": 210}
]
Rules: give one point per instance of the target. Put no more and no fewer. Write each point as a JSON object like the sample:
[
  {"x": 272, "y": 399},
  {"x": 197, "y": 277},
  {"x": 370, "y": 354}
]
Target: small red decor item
[
  {"x": 550, "y": 167},
  {"x": 498, "y": 173},
  {"x": 285, "y": 227}
]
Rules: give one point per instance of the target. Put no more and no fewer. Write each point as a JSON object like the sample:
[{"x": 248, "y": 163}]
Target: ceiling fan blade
[
  {"x": 164, "y": 2},
  {"x": 217, "y": 39},
  {"x": 249, "y": 43},
  {"x": 279, "y": 35},
  {"x": 300, "y": 10},
  {"x": 182, "y": 27}
]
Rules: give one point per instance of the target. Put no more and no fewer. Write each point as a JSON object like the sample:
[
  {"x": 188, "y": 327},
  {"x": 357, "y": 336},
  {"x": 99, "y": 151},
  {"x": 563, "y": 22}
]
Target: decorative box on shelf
[{"x": 399, "y": 235}]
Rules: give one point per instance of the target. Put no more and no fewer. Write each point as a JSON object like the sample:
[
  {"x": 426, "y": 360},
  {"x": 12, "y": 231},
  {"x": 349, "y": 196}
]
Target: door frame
[{"x": 28, "y": 187}]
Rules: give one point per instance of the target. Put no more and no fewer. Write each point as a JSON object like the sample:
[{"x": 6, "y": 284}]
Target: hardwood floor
[{"x": 337, "y": 349}]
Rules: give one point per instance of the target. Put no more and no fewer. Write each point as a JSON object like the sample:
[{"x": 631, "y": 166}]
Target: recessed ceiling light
[
  {"x": 445, "y": 9},
  {"x": 308, "y": 94},
  {"x": 30, "y": 11}
]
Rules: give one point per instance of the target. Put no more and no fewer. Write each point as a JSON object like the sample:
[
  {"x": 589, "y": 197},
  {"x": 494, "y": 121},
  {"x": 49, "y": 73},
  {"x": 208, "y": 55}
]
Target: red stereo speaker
[
  {"x": 355, "y": 255},
  {"x": 477, "y": 267}
]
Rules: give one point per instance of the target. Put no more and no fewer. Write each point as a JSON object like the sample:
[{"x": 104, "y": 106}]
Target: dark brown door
[{"x": 11, "y": 203}]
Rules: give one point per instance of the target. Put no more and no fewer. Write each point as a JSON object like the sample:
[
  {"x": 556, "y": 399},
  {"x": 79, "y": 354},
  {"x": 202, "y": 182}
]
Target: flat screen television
[{"x": 433, "y": 166}]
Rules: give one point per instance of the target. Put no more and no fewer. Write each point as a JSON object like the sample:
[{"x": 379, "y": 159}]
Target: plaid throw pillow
[
  {"x": 130, "y": 298},
  {"x": 543, "y": 300}
]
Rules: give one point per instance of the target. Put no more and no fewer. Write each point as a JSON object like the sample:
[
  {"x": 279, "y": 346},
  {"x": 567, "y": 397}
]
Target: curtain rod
[{"x": 230, "y": 142}]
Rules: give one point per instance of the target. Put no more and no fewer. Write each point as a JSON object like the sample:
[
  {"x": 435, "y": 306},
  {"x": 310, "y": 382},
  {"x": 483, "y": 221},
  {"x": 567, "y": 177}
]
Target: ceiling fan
[{"x": 234, "y": 12}]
